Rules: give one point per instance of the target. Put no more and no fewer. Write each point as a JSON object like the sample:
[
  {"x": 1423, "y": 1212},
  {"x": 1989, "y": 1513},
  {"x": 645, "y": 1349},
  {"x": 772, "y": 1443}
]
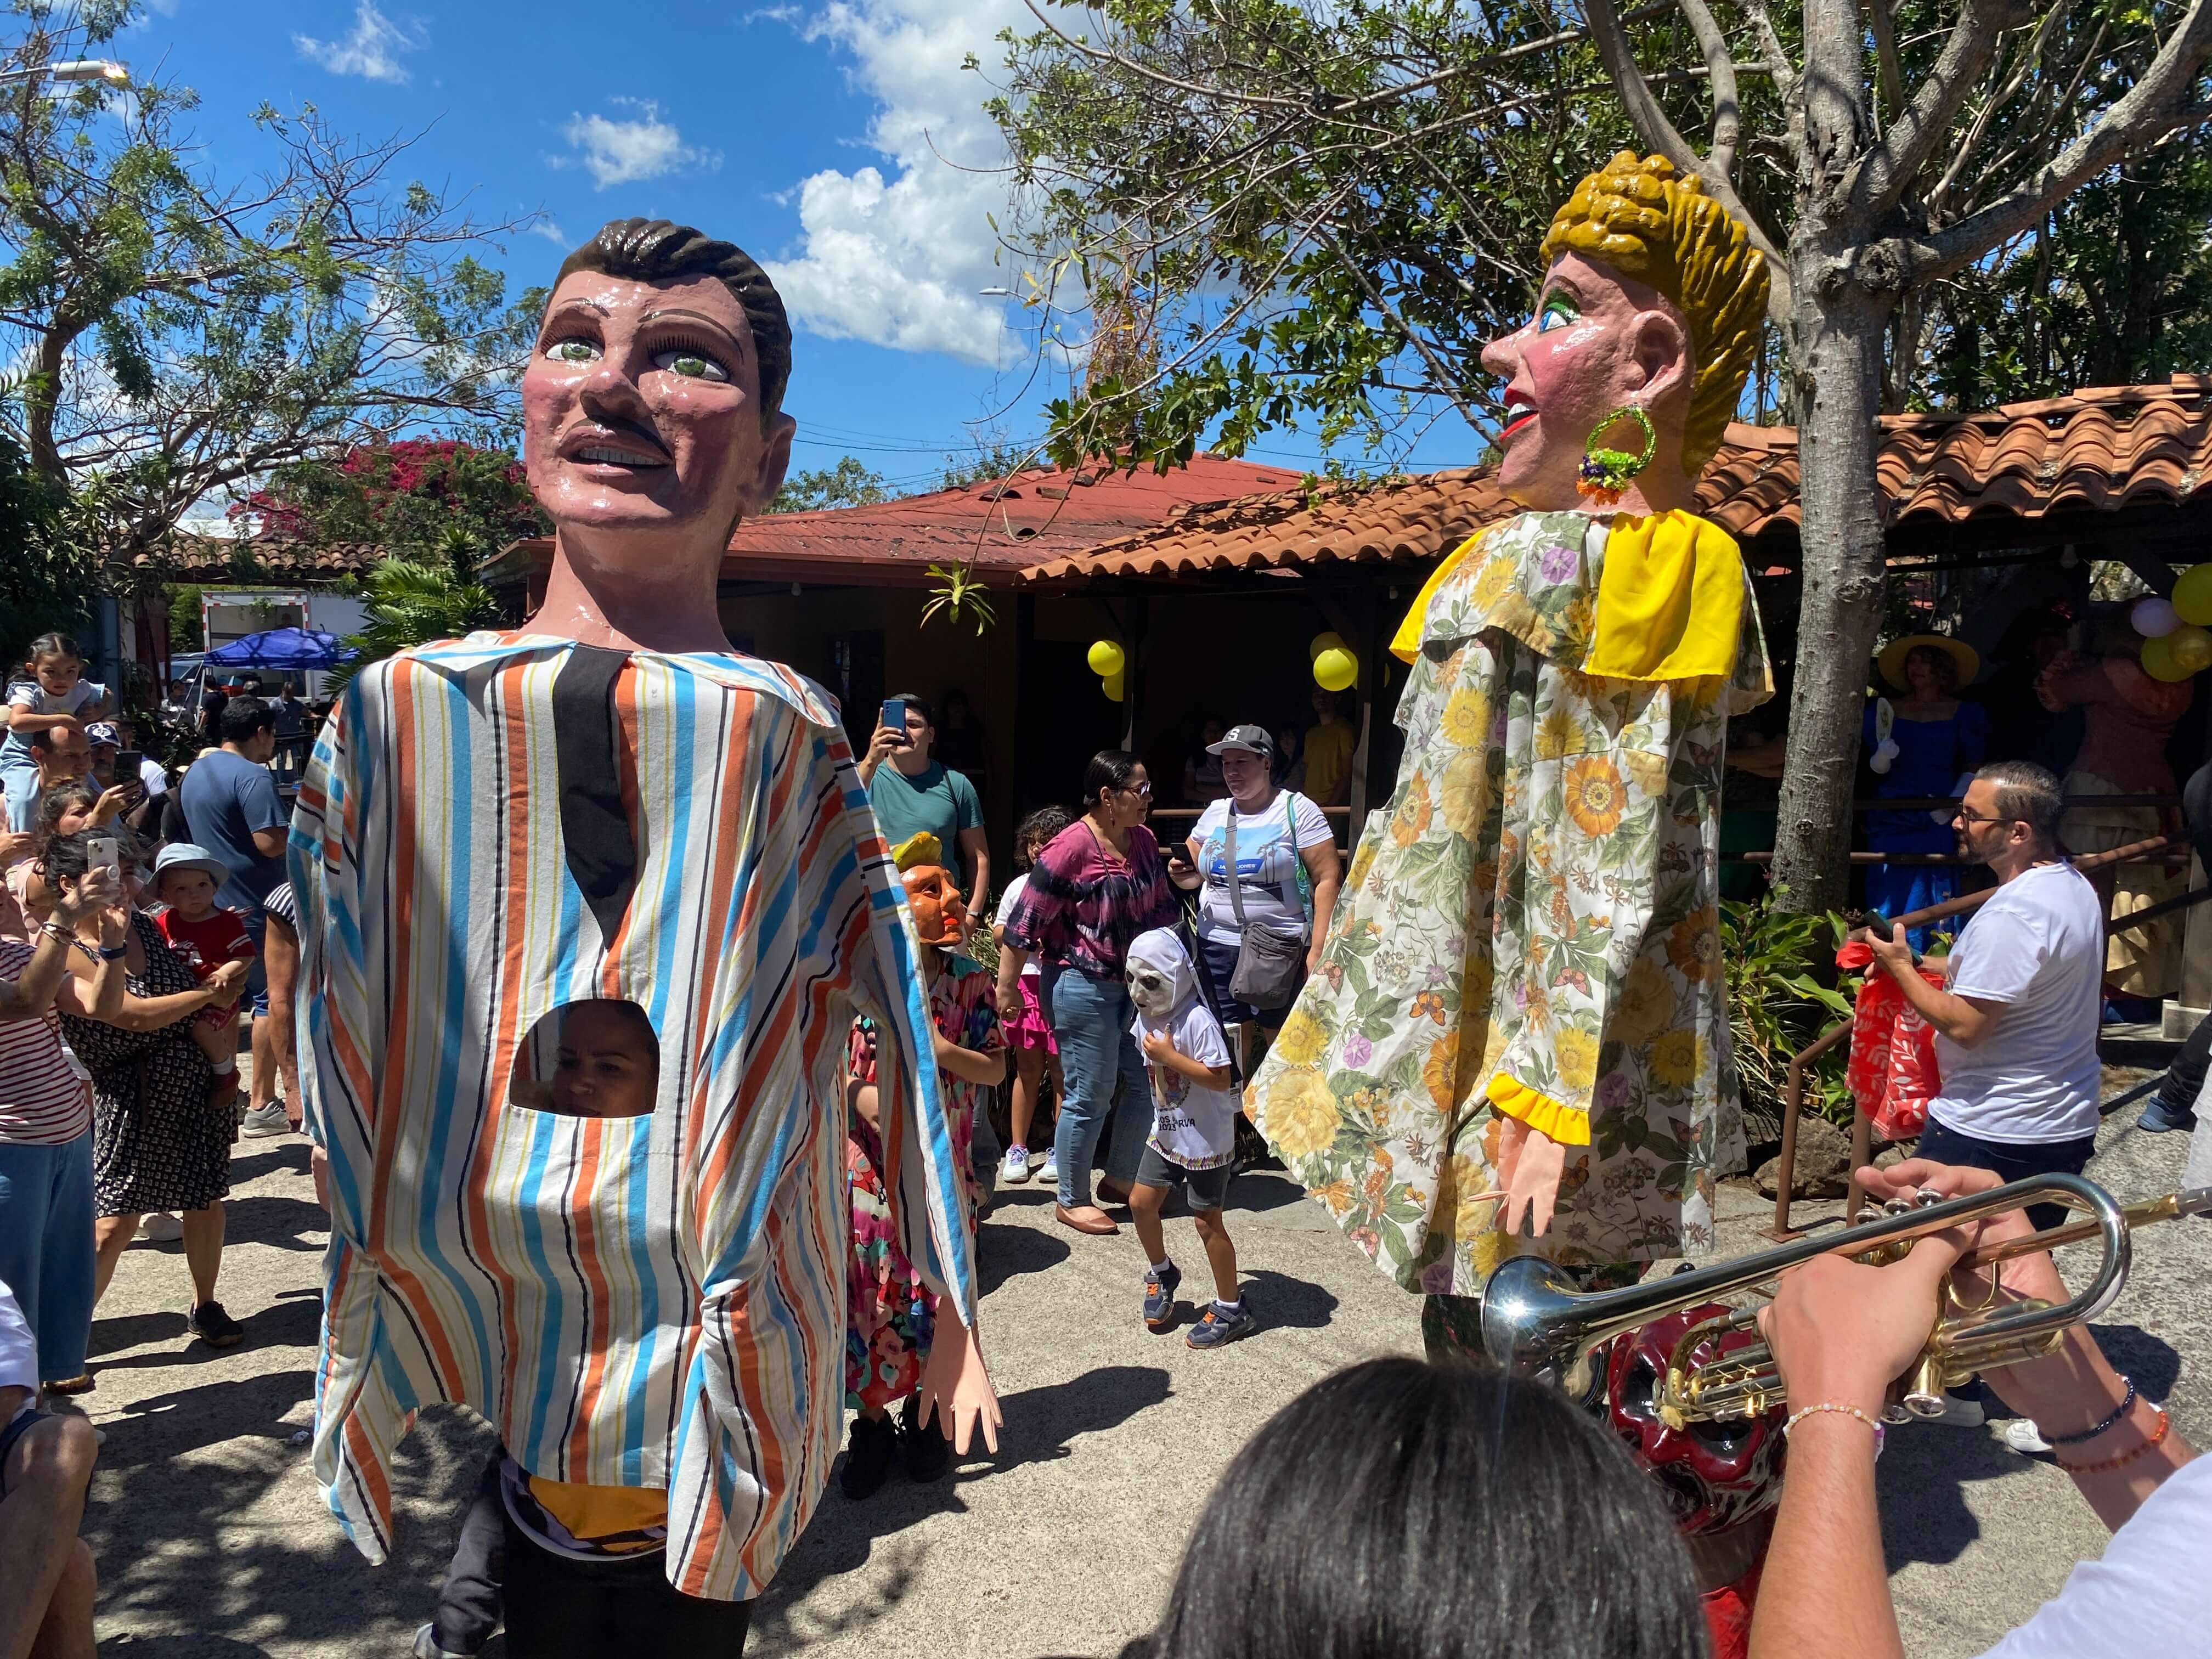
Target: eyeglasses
[
  {"x": 1963, "y": 815},
  {"x": 1142, "y": 791}
]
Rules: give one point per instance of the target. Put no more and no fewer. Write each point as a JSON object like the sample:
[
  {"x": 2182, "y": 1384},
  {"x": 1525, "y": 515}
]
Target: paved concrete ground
[{"x": 213, "y": 1541}]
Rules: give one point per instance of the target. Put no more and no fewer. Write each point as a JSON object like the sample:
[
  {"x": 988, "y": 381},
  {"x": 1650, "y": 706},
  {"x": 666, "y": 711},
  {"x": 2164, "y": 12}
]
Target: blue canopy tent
[{"x": 294, "y": 649}]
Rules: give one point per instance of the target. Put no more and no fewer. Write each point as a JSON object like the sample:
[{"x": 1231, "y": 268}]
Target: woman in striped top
[
  {"x": 45, "y": 1115},
  {"x": 1096, "y": 886}
]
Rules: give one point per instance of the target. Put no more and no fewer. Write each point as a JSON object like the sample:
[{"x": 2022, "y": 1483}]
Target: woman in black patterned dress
[{"x": 156, "y": 1142}]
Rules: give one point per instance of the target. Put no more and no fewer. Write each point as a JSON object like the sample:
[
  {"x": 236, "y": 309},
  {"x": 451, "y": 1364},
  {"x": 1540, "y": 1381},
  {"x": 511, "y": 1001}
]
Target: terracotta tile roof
[
  {"x": 215, "y": 560},
  {"x": 2098, "y": 451},
  {"x": 1006, "y": 526}
]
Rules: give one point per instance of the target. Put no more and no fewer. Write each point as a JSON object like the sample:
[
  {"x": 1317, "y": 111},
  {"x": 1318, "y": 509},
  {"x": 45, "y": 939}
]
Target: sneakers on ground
[
  {"x": 209, "y": 1322},
  {"x": 2021, "y": 1435},
  {"x": 264, "y": 1121},
  {"x": 928, "y": 1452},
  {"x": 867, "y": 1456},
  {"x": 1014, "y": 1168},
  {"x": 1160, "y": 1298},
  {"x": 1049, "y": 1171},
  {"x": 1959, "y": 1414},
  {"x": 160, "y": 1228},
  {"x": 426, "y": 1646},
  {"x": 1218, "y": 1326}
]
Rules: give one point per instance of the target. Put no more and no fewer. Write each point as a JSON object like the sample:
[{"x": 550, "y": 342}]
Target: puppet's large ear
[{"x": 598, "y": 1058}]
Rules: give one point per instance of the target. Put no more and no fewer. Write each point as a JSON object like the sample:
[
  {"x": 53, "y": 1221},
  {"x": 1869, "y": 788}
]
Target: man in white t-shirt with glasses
[{"x": 2016, "y": 1022}]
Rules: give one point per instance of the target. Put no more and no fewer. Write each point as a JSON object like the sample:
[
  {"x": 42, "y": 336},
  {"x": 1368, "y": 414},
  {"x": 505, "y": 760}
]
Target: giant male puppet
[
  {"x": 611, "y": 809},
  {"x": 1521, "y": 1003}
]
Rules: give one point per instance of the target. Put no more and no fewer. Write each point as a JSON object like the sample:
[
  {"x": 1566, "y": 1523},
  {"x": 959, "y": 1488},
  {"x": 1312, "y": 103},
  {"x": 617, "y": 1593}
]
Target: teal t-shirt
[{"x": 941, "y": 801}]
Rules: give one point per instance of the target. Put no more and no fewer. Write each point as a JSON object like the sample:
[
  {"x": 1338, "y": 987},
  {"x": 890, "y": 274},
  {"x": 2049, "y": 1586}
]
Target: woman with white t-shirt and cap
[{"x": 1267, "y": 860}]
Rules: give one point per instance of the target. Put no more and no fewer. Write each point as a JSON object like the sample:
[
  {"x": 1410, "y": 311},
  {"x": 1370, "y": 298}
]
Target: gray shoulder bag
[{"x": 1270, "y": 966}]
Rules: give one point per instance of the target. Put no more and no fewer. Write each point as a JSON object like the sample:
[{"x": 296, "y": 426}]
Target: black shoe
[
  {"x": 928, "y": 1453},
  {"x": 209, "y": 1322},
  {"x": 867, "y": 1456}
]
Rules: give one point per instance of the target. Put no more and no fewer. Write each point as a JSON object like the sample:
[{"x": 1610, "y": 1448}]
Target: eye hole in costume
[{"x": 593, "y": 1058}]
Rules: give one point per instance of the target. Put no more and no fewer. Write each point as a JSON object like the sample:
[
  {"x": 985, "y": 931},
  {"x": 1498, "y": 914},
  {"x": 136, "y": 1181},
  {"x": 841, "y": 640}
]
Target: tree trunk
[{"x": 1838, "y": 360}]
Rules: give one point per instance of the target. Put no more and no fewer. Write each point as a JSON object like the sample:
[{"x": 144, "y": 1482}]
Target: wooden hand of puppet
[
  {"x": 955, "y": 1385},
  {"x": 1530, "y": 1166}
]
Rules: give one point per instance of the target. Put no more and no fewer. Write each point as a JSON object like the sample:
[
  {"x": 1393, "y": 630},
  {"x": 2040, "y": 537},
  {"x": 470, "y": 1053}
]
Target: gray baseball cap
[{"x": 1253, "y": 738}]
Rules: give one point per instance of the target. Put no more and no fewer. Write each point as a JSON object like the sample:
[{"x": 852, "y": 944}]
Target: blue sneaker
[
  {"x": 1160, "y": 1298},
  {"x": 1217, "y": 1325},
  {"x": 2157, "y": 1121}
]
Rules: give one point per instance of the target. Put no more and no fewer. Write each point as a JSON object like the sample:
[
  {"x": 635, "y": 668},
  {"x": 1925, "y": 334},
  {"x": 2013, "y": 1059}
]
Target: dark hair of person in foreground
[{"x": 1404, "y": 1510}]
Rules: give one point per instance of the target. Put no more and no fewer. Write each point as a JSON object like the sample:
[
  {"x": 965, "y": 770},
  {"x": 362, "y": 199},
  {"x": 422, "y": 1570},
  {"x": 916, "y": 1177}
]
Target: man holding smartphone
[{"x": 914, "y": 793}]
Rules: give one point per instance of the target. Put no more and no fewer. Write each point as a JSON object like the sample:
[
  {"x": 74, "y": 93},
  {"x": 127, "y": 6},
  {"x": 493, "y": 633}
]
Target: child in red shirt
[{"x": 206, "y": 935}]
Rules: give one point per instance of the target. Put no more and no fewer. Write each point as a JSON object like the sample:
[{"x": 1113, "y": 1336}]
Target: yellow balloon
[
  {"x": 2158, "y": 658},
  {"x": 1107, "y": 658},
  {"x": 2192, "y": 595},
  {"x": 1321, "y": 642},
  {"x": 1336, "y": 669},
  {"x": 1113, "y": 685},
  {"x": 2191, "y": 648}
]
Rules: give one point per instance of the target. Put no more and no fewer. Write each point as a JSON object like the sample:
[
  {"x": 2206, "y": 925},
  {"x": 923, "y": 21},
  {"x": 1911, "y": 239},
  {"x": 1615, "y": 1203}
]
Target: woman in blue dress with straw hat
[{"x": 1919, "y": 742}]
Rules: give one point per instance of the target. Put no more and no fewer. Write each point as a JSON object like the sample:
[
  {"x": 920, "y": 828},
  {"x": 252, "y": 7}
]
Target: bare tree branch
[
  {"x": 1727, "y": 113},
  {"x": 1888, "y": 170},
  {"x": 2161, "y": 103}
]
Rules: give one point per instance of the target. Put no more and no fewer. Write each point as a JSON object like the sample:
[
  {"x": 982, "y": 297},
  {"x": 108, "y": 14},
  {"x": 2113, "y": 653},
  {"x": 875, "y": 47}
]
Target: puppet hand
[
  {"x": 955, "y": 1385},
  {"x": 1883, "y": 755},
  {"x": 1530, "y": 1166}
]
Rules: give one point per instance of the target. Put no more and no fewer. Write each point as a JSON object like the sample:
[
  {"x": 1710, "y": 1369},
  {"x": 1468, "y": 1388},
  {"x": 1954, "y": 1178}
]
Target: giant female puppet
[
  {"x": 1521, "y": 1003},
  {"x": 516, "y": 852}
]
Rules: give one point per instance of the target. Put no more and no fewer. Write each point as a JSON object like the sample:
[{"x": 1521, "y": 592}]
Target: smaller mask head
[
  {"x": 1151, "y": 990},
  {"x": 940, "y": 916}
]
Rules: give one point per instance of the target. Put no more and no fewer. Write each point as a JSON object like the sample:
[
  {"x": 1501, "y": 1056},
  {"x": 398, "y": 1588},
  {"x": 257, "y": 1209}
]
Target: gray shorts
[{"x": 1204, "y": 1189}]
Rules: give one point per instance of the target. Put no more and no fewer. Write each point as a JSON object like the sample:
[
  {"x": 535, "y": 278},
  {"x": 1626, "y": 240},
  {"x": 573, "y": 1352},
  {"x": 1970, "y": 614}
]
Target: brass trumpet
[{"x": 1535, "y": 1323}]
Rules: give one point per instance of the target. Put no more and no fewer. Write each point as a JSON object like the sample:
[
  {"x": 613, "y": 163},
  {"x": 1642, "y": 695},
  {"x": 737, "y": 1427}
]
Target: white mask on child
[{"x": 1152, "y": 990}]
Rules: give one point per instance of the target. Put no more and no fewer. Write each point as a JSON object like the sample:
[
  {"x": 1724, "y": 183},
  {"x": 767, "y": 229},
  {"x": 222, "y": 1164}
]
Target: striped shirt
[
  {"x": 45, "y": 1099},
  {"x": 649, "y": 1302}
]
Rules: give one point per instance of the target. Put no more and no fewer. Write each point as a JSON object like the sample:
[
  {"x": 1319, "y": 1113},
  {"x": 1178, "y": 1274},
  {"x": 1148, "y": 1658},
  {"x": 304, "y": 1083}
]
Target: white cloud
[
  {"x": 549, "y": 228},
  {"x": 898, "y": 263},
  {"x": 372, "y": 50},
  {"x": 621, "y": 152}
]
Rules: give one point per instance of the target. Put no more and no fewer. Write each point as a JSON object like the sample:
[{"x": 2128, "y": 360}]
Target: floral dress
[
  {"x": 1534, "y": 911},
  {"x": 889, "y": 1313}
]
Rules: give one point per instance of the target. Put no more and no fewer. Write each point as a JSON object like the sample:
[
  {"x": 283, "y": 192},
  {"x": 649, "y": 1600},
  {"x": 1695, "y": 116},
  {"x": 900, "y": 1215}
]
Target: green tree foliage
[
  {"x": 181, "y": 334},
  {"x": 404, "y": 497},
  {"x": 411, "y": 604},
  {"x": 44, "y": 582},
  {"x": 986, "y": 462},
  {"x": 1277, "y": 215},
  {"x": 848, "y": 483}
]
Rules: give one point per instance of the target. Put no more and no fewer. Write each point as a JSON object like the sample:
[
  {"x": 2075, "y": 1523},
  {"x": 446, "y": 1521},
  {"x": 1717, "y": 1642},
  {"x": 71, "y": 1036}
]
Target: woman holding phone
[{"x": 155, "y": 1143}]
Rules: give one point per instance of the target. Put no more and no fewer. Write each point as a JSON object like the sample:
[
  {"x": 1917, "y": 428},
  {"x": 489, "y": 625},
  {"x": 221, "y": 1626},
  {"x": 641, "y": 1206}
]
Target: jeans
[
  {"x": 1106, "y": 1093},
  {"x": 557, "y": 1608},
  {"x": 2011, "y": 1160},
  {"x": 46, "y": 1248},
  {"x": 19, "y": 774},
  {"x": 473, "y": 1598}
]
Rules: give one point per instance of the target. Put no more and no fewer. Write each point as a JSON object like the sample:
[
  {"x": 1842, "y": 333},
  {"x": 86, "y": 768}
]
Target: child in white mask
[{"x": 1193, "y": 1139}]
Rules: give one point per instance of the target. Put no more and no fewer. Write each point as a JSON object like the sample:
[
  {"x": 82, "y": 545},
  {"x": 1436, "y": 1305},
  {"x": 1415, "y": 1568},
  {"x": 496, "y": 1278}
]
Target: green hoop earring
[{"x": 1605, "y": 473}]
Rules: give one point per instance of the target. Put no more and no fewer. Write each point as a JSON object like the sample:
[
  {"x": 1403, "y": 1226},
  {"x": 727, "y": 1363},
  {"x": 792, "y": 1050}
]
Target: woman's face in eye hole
[{"x": 608, "y": 1065}]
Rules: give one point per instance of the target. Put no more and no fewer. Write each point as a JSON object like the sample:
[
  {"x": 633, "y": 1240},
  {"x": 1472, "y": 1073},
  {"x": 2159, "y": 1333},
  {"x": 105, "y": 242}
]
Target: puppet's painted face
[
  {"x": 1598, "y": 340},
  {"x": 940, "y": 916},
  {"x": 641, "y": 407},
  {"x": 1152, "y": 990}
]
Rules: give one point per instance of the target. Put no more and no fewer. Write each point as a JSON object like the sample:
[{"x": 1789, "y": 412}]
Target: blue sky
[{"x": 810, "y": 133}]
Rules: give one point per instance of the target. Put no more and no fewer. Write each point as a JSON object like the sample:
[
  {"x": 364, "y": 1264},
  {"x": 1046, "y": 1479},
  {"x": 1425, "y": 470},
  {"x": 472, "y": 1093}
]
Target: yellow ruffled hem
[{"x": 1563, "y": 1124}]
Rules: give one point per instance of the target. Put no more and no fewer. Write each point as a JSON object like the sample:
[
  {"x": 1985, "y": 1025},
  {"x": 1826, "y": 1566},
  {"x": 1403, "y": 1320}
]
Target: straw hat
[{"x": 1962, "y": 655}]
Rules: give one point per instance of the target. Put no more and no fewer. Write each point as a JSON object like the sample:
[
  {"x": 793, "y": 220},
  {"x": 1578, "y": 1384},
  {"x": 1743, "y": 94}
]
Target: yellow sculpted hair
[{"x": 1642, "y": 218}]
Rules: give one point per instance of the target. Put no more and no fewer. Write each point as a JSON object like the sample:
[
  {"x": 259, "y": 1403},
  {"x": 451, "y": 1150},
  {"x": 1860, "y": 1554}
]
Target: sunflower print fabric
[{"x": 1539, "y": 900}]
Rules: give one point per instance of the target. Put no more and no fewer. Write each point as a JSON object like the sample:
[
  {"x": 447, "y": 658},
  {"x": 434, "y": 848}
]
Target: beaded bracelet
[
  {"x": 1881, "y": 1433},
  {"x": 2151, "y": 1443},
  {"x": 2088, "y": 1434}
]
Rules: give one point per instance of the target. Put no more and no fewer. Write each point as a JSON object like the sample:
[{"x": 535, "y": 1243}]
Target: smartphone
[
  {"x": 100, "y": 853},
  {"x": 127, "y": 762},
  {"x": 894, "y": 716}
]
